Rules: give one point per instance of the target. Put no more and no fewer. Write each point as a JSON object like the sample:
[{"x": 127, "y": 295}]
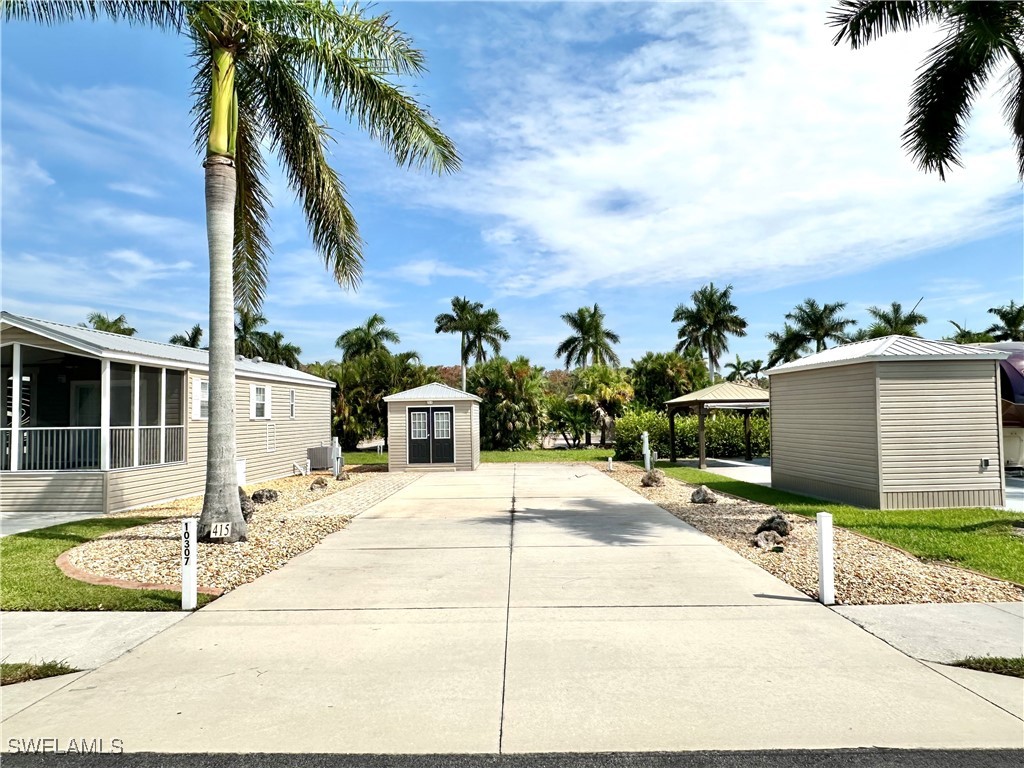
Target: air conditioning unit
[{"x": 319, "y": 457}]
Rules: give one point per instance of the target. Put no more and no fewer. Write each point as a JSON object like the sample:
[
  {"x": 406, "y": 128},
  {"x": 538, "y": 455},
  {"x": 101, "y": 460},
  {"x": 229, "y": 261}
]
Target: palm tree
[
  {"x": 755, "y": 368},
  {"x": 590, "y": 340},
  {"x": 893, "y": 321},
  {"x": 821, "y": 323},
  {"x": 1012, "y": 326},
  {"x": 708, "y": 322},
  {"x": 478, "y": 329},
  {"x": 365, "y": 339},
  {"x": 276, "y": 350},
  {"x": 101, "y": 322},
  {"x": 964, "y": 335},
  {"x": 737, "y": 370},
  {"x": 979, "y": 37},
  {"x": 258, "y": 68},
  {"x": 789, "y": 344},
  {"x": 192, "y": 338},
  {"x": 250, "y": 341}
]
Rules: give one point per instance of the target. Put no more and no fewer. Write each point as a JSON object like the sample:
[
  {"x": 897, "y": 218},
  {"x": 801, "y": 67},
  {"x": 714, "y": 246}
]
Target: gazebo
[{"x": 728, "y": 395}]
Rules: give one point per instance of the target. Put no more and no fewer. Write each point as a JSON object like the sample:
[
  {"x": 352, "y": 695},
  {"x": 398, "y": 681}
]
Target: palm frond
[
  {"x": 159, "y": 13},
  {"x": 861, "y": 21}
]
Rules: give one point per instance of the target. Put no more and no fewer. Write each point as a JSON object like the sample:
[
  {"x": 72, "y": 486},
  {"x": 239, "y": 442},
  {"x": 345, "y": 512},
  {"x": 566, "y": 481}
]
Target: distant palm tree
[
  {"x": 708, "y": 322},
  {"x": 250, "y": 341},
  {"x": 894, "y": 322},
  {"x": 478, "y": 329},
  {"x": 965, "y": 336},
  {"x": 737, "y": 370},
  {"x": 821, "y": 323},
  {"x": 192, "y": 338},
  {"x": 790, "y": 344},
  {"x": 754, "y": 368},
  {"x": 1012, "y": 326},
  {"x": 590, "y": 341},
  {"x": 101, "y": 322},
  {"x": 365, "y": 339},
  {"x": 979, "y": 36},
  {"x": 276, "y": 350},
  {"x": 485, "y": 332}
]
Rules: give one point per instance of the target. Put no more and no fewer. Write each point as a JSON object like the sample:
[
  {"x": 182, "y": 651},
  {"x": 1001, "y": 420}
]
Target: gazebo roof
[{"x": 723, "y": 393}]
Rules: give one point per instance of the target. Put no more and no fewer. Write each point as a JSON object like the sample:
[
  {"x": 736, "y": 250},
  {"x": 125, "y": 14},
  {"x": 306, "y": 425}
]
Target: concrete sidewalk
[{"x": 588, "y": 620}]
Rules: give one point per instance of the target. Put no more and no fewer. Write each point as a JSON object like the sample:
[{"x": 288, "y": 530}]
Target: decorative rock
[
  {"x": 777, "y": 523},
  {"x": 264, "y": 496},
  {"x": 703, "y": 495},
  {"x": 320, "y": 482},
  {"x": 246, "y": 504},
  {"x": 653, "y": 479},
  {"x": 767, "y": 540},
  {"x": 342, "y": 476}
]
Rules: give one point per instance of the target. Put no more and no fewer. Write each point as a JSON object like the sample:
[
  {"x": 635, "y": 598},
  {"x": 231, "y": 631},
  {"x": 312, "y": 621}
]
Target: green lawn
[
  {"x": 1012, "y": 666},
  {"x": 501, "y": 457},
  {"x": 31, "y": 581},
  {"x": 974, "y": 538},
  {"x": 23, "y": 672}
]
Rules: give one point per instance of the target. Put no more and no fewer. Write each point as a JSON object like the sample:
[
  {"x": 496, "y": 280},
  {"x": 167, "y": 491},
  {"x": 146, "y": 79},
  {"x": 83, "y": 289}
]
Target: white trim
[
  {"x": 267, "y": 409},
  {"x": 812, "y": 366},
  {"x": 198, "y": 399},
  {"x": 15, "y": 406},
  {"x": 104, "y": 415},
  {"x": 136, "y": 415},
  {"x": 163, "y": 414},
  {"x": 455, "y": 443}
]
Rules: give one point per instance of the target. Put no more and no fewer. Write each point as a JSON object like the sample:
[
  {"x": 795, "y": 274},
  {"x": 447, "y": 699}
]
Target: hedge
[{"x": 723, "y": 435}]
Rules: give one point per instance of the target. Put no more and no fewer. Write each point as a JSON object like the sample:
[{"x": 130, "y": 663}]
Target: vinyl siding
[
  {"x": 52, "y": 492},
  {"x": 475, "y": 421},
  {"x": 14, "y": 335},
  {"x": 467, "y": 436},
  {"x": 937, "y": 421},
  {"x": 824, "y": 434}
]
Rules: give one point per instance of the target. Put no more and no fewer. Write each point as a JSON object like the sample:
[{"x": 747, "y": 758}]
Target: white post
[
  {"x": 136, "y": 416},
  {"x": 189, "y": 569},
  {"x": 609, "y": 463},
  {"x": 15, "y": 406},
  {"x": 163, "y": 413},
  {"x": 826, "y": 560},
  {"x": 647, "y": 452},
  {"x": 336, "y": 457},
  {"x": 104, "y": 415}
]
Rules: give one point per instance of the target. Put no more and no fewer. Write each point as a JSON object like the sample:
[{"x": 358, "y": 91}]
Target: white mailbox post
[
  {"x": 336, "y": 458},
  {"x": 826, "y": 560},
  {"x": 189, "y": 569},
  {"x": 647, "y": 452}
]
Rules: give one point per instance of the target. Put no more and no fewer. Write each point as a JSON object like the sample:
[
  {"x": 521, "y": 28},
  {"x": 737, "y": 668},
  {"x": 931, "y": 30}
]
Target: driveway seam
[{"x": 508, "y": 610}]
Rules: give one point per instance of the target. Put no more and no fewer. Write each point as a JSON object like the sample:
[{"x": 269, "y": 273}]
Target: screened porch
[{"x": 66, "y": 412}]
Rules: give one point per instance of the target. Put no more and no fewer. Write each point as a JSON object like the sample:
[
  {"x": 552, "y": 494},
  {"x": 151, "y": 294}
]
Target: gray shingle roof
[
  {"x": 115, "y": 346},
  {"x": 889, "y": 348},
  {"x": 435, "y": 391}
]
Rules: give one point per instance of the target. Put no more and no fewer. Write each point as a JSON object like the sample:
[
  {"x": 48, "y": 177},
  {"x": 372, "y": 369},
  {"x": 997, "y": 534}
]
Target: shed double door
[{"x": 431, "y": 435}]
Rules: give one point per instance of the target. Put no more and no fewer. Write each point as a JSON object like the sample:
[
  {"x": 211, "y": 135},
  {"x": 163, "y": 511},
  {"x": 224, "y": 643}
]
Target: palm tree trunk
[
  {"x": 462, "y": 360},
  {"x": 220, "y": 504}
]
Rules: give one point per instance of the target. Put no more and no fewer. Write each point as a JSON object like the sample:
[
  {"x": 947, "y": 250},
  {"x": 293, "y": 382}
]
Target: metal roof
[
  {"x": 116, "y": 346},
  {"x": 435, "y": 391},
  {"x": 889, "y": 348},
  {"x": 724, "y": 392}
]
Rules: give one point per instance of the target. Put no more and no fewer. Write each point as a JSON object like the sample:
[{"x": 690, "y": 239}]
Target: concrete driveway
[{"x": 587, "y": 620}]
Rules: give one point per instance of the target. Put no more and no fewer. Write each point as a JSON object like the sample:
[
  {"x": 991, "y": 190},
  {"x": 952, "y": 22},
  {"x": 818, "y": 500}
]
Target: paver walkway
[{"x": 588, "y": 620}]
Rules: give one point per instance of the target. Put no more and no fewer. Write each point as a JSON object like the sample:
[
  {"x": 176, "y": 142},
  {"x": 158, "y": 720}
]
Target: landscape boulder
[
  {"x": 767, "y": 540},
  {"x": 653, "y": 479},
  {"x": 703, "y": 495},
  {"x": 264, "y": 496},
  {"x": 342, "y": 476},
  {"x": 777, "y": 523},
  {"x": 246, "y": 504},
  {"x": 318, "y": 483}
]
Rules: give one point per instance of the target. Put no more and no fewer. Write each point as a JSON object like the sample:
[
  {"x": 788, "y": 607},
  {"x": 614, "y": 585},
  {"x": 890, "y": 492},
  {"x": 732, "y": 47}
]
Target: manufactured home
[
  {"x": 891, "y": 423},
  {"x": 96, "y": 422}
]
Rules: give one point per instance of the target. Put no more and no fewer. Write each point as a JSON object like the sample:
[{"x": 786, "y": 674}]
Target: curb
[{"x": 78, "y": 574}]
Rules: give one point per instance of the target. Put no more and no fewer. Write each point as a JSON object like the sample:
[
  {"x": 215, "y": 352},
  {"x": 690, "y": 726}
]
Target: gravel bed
[
  {"x": 866, "y": 572},
  {"x": 298, "y": 520}
]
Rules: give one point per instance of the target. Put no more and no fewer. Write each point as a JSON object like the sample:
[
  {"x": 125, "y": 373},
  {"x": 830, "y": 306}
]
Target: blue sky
[{"x": 619, "y": 153}]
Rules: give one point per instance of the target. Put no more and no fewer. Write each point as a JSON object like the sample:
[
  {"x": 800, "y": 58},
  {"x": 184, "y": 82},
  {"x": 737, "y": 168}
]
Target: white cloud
[
  {"x": 21, "y": 175},
  {"x": 132, "y": 188},
  {"x": 691, "y": 157},
  {"x": 424, "y": 271}
]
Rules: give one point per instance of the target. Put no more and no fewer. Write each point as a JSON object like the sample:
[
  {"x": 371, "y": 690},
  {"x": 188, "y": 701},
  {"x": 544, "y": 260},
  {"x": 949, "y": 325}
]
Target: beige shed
[
  {"x": 890, "y": 423},
  {"x": 433, "y": 427}
]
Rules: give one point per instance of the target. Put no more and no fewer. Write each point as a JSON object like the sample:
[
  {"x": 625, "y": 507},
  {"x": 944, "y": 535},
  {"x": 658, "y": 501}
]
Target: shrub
[{"x": 723, "y": 433}]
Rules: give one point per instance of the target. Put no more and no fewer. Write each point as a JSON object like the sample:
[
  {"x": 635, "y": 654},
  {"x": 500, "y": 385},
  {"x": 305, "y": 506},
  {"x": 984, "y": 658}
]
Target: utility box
[{"x": 320, "y": 457}]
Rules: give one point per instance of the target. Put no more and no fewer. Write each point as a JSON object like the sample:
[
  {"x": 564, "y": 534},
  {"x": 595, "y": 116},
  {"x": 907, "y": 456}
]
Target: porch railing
[{"x": 70, "y": 448}]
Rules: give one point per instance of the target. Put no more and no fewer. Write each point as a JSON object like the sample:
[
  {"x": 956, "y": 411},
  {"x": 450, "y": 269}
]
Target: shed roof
[
  {"x": 889, "y": 348},
  {"x": 131, "y": 348},
  {"x": 434, "y": 391},
  {"x": 723, "y": 392}
]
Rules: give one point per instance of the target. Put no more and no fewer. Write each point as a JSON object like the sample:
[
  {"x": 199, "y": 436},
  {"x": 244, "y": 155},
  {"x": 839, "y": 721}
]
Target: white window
[
  {"x": 200, "y": 399},
  {"x": 259, "y": 401},
  {"x": 291, "y": 404},
  {"x": 442, "y": 425},
  {"x": 418, "y": 426}
]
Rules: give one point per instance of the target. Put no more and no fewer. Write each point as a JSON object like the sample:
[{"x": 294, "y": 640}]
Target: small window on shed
[
  {"x": 291, "y": 404},
  {"x": 259, "y": 402}
]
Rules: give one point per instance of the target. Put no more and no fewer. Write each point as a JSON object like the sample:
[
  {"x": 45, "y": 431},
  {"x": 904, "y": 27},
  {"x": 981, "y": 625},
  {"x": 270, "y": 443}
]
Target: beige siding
[
  {"x": 467, "y": 436},
  {"x": 60, "y": 493},
  {"x": 290, "y": 439},
  {"x": 13, "y": 335},
  {"x": 824, "y": 433},
  {"x": 937, "y": 421},
  {"x": 475, "y": 421}
]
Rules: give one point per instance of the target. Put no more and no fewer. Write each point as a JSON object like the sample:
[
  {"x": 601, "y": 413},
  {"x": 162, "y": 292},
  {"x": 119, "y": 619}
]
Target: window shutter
[{"x": 270, "y": 399}]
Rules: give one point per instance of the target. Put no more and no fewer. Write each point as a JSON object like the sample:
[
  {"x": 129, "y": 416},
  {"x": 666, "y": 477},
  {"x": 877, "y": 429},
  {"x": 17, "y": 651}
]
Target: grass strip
[
  {"x": 1012, "y": 666},
  {"x": 31, "y": 581},
  {"x": 23, "y": 672},
  {"x": 502, "y": 457},
  {"x": 976, "y": 537}
]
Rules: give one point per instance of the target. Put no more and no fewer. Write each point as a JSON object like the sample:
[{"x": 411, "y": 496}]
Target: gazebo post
[
  {"x": 746, "y": 433},
  {"x": 702, "y": 462},
  {"x": 672, "y": 434}
]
